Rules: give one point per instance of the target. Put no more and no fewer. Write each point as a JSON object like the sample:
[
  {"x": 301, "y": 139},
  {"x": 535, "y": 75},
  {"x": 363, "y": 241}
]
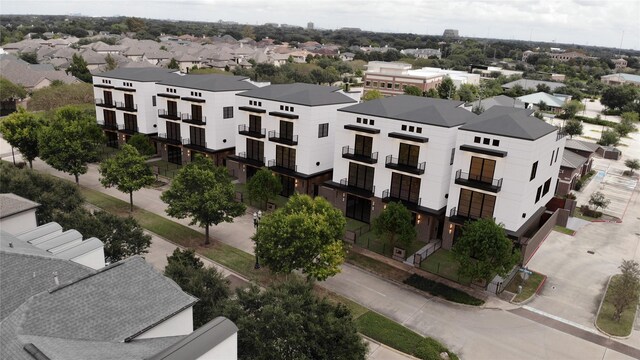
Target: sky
[{"x": 604, "y": 22}]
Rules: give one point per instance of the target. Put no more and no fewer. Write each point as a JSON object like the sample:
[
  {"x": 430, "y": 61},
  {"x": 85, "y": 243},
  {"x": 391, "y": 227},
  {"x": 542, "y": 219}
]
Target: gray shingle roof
[
  {"x": 209, "y": 82},
  {"x": 510, "y": 122},
  {"x": 500, "y": 100},
  {"x": 532, "y": 84},
  {"x": 572, "y": 160},
  {"x": 300, "y": 94},
  {"x": 581, "y": 145},
  {"x": 146, "y": 74},
  {"x": 437, "y": 112},
  {"x": 11, "y": 204}
]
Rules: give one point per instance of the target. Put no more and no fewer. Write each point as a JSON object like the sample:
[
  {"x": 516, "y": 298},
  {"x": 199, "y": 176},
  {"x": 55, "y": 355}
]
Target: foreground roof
[
  {"x": 510, "y": 122},
  {"x": 300, "y": 94},
  {"x": 572, "y": 160},
  {"x": 210, "y": 82},
  {"x": 437, "y": 112},
  {"x": 11, "y": 204},
  {"x": 581, "y": 145}
]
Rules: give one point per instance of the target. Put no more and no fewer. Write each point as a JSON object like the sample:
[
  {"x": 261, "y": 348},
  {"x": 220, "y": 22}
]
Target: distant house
[
  {"x": 619, "y": 63},
  {"x": 347, "y": 56},
  {"x": 532, "y": 101},
  {"x": 620, "y": 79},
  {"x": 528, "y": 84},
  {"x": 30, "y": 76},
  {"x": 571, "y": 169},
  {"x": 500, "y": 100}
]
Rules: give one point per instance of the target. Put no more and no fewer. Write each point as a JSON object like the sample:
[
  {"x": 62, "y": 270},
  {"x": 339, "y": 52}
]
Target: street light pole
[{"x": 256, "y": 221}]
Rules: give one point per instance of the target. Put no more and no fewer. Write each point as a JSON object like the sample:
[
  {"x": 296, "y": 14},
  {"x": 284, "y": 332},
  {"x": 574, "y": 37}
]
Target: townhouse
[
  {"x": 125, "y": 101},
  {"x": 396, "y": 149},
  {"x": 196, "y": 115},
  {"x": 288, "y": 128},
  {"x": 506, "y": 167}
]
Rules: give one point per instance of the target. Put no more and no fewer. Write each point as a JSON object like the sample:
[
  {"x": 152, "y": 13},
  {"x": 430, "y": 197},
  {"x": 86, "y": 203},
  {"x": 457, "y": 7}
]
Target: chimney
[
  {"x": 10, "y": 244},
  {"x": 55, "y": 278}
]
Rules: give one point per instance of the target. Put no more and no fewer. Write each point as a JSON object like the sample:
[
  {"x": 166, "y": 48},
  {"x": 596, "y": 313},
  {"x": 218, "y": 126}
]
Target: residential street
[{"x": 493, "y": 332}]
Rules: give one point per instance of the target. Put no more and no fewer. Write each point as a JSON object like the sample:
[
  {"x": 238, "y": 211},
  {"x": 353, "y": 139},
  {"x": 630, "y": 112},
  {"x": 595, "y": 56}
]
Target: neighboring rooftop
[
  {"x": 581, "y": 145},
  {"x": 436, "y": 112},
  {"x": 11, "y": 204},
  {"x": 536, "y": 98},
  {"x": 532, "y": 84},
  {"x": 300, "y": 94},
  {"x": 624, "y": 76},
  {"x": 500, "y": 100},
  {"x": 145, "y": 74},
  {"x": 510, "y": 122},
  {"x": 210, "y": 82},
  {"x": 572, "y": 160}
]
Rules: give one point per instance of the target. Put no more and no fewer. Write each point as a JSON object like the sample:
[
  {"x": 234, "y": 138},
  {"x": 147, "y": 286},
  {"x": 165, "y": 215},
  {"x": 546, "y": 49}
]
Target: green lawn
[
  {"x": 377, "y": 267},
  {"x": 605, "y": 316},
  {"x": 280, "y": 201},
  {"x": 165, "y": 168},
  {"x": 371, "y": 242},
  {"x": 442, "y": 263},
  {"x": 528, "y": 288},
  {"x": 387, "y": 331},
  {"x": 563, "y": 230}
]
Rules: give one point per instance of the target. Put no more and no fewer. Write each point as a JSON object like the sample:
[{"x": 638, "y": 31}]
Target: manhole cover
[
  {"x": 553, "y": 287},
  {"x": 590, "y": 252}
]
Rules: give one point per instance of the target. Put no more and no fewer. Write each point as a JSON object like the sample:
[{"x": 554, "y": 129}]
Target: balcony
[
  {"x": 254, "y": 133},
  {"x": 169, "y": 115},
  {"x": 411, "y": 204},
  {"x": 393, "y": 163},
  {"x": 102, "y": 103},
  {"x": 252, "y": 160},
  {"x": 123, "y": 128},
  {"x": 188, "y": 143},
  {"x": 170, "y": 140},
  {"x": 273, "y": 164},
  {"x": 126, "y": 107},
  {"x": 277, "y": 138},
  {"x": 108, "y": 125},
  {"x": 357, "y": 190},
  {"x": 459, "y": 217},
  {"x": 350, "y": 153},
  {"x": 478, "y": 182},
  {"x": 560, "y": 135},
  {"x": 188, "y": 118}
]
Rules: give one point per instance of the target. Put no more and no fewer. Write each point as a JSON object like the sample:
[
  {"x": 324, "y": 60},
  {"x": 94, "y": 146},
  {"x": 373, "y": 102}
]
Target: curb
[
  {"x": 388, "y": 347},
  {"x": 595, "y": 322},
  {"x": 535, "y": 293}
]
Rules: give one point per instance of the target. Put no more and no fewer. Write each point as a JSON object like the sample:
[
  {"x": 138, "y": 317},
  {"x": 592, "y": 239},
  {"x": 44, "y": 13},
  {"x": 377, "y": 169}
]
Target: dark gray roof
[
  {"x": 572, "y": 160},
  {"x": 209, "y": 82},
  {"x": 200, "y": 341},
  {"x": 146, "y": 74},
  {"x": 500, "y": 100},
  {"x": 510, "y": 122},
  {"x": 11, "y": 204},
  {"x": 300, "y": 94},
  {"x": 437, "y": 112},
  {"x": 581, "y": 145}
]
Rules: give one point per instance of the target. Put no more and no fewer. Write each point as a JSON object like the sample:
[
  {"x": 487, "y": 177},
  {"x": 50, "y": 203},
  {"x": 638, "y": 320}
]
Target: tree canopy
[
  {"x": 127, "y": 171},
  {"x": 263, "y": 186},
  {"x": 10, "y": 91},
  {"x": 372, "y": 95},
  {"x": 79, "y": 69},
  {"x": 20, "y": 130},
  {"x": 304, "y": 234},
  {"x": 624, "y": 288},
  {"x": 609, "y": 138},
  {"x": 142, "y": 144},
  {"x": 617, "y": 97},
  {"x": 53, "y": 97},
  {"x": 394, "y": 224},
  {"x": 203, "y": 192},
  {"x": 413, "y": 90},
  {"x": 573, "y": 127}
]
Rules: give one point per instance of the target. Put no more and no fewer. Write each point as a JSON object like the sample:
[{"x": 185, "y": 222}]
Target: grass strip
[
  {"x": 377, "y": 267},
  {"x": 387, "y": 331},
  {"x": 441, "y": 290},
  {"x": 563, "y": 230},
  {"x": 529, "y": 287},
  {"x": 605, "y": 319}
]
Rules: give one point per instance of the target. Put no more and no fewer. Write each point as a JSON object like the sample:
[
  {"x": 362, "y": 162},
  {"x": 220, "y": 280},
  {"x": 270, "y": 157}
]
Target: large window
[
  {"x": 323, "y": 130},
  {"x": 128, "y": 101},
  {"x": 173, "y": 130},
  {"x": 361, "y": 176},
  {"x": 534, "y": 169},
  {"x": 196, "y": 136},
  {"x": 255, "y": 123},
  {"x": 108, "y": 97},
  {"x": 405, "y": 187},
  {"x": 286, "y": 157},
  {"x": 227, "y": 112},
  {"x": 358, "y": 208},
  {"x": 475, "y": 205},
  {"x": 547, "y": 185},
  {"x": 109, "y": 118},
  {"x": 286, "y": 130},
  {"x": 408, "y": 155},
  {"x": 363, "y": 145},
  {"x": 196, "y": 112},
  {"x": 481, "y": 169},
  {"x": 255, "y": 150},
  {"x": 172, "y": 108},
  {"x": 130, "y": 122}
]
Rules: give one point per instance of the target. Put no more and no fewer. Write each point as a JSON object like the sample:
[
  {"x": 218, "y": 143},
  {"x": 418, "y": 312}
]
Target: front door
[
  {"x": 358, "y": 208},
  {"x": 174, "y": 155},
  {"x": 288, "y": 185}
]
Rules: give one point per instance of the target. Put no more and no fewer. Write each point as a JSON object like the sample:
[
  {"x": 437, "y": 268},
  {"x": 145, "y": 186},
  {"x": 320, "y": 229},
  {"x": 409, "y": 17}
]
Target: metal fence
[{"x": 426, "y": 251}]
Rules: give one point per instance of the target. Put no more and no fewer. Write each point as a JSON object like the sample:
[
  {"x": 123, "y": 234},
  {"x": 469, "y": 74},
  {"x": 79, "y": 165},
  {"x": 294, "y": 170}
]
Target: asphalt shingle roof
[
  {"x": 145, "y": 74},
  {"x": 538, "y": 97},
  {"x": 510, "y": 122},
  {"x": 572, "y": 160},
  {"x": 581, "y": 145},
  {"x": 11, "y": 204},
  {"x": 300, "y": 94},
  {"x": 532, "y": 84},
  {"x": 437, "y": 112},
  {"x": 210, "y": 82}
]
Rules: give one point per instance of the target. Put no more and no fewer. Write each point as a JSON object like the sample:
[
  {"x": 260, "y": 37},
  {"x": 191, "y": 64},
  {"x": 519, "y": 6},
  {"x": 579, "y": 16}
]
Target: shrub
[
  {"x": 571, "y": 196},
  {"x": 442, "y": 290},
  {"x": 586, "y": 211},
  {"x": 578, "y": 185}
]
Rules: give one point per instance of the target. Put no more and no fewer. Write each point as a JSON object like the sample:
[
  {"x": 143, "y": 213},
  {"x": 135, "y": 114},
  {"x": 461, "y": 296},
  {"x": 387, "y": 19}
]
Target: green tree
[
  {"x": 573, "y": 127},
  {"x": 203, "y": 192},
  {"x": 598, "y": 200},
  {"x": 10, "y": 91},
  {"x": 263, "y": 186},
  {"x": 173, "y": 64},
  {"x": 468, "y": 92},
  {"x": 127, "y": 171},
  {"x": 372, "y": 95},
  {"x": 247, "y": 32},
  {"x": 30, "y": 57},
  {"x": 112, "y": 63},
  {"x": 20, "y": 130},
  {"x": 623, "y": 289},
  {"x": 205, "y": 283},
  {"x": 135, "y": 24},
  {"x": 304, "y": 234},
  {"x": 609, "y": 138},
  {"x": 632, "y": 164},
  {"x": 79, "y": 69},
  {"x": 625, "y": 127},
  {"x": 412, "y": 90},
  {"x": 630, "y": 116},
  {"x": 572, "y": 108},
  {"x": 543, "y": 88},
  {"x": 142, "y": 144},
  {"x": 394, "y": 224},
  {"x": 53, "y": 97},
  {"x": 483, "y": 249},
  {"x": 617, "y": 97},
  {"x": 432, "y": 93},
  {"x": 288, "y": 321},
  {"x": 70, "y": 140},
  {"x": 446, "y": 89}
]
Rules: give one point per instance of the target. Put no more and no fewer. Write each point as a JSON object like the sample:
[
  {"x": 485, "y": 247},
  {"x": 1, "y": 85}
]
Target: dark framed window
[
  {"x": 453, "y": 154},
  {"x": 323, "y": 130},
  {"x": 363, "y": 145},
  {"x": 476, "y": 139},
  {"x": 109, "y": 117},
  {"x": 128, "y": 101},
  {"x": 496, "y": 142},
  {"x": 130, "y": 122},
  {"x": 286, "y": 130},
  {"x": 153, "y": 100},
  {"x": 108, "y": 97},
  {"x": 172, "y": 108},
  {"x": 408, "y": 155},
  {"x": 255, "y": 123},
  {"x": 481, "y": 169},
  {"x": 557, "y": 152},
  {"x": 286, "y": 157},
  {"x": 405, "y": 187},
  {"x": 486, "y": 141},
  {"x": 538, "y": 193},
  {"x": 196, "y": 112},
  {"x": 196, "y": 136},
  {"x": 173, "y": 130},
  {"x": 227, "y": 112},
  {"x": 547, "y": 185},
  {"x": 255, "y": 150},
  {"x": 361, "y": 176},
  {"x": 534, "y": 169},
  {"x": 475, "y": 205},
  {"x": 553, "y": 154}
]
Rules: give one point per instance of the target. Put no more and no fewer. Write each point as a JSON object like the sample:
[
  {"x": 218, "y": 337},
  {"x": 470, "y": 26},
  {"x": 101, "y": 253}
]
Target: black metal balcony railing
[
  {"x": 358, "y": 190},
  {"x": 461, "y": 216},
  {"x": 252, "y": 132},
  {"x": 351, "y": 153},
  {"x": 108, "y": 125},
  {"x": 393, "y": 163},
  {"x": 252, "y": 159},
  {"x": 190, "y": 143},
  {"x": 188, "y": 118},
  {"x": 101, "y": 102},
  {"x": 452, "y": 212},
  {"x": 274, "y": 163},
  {"x": 127, "y": 129},
  {"x": 388, "y": 196},
  {"x": 560, "y": 135},
  {"x": 478, "y": 181},
  {"x": 171, "y": 140},
  {"x": 286, "y": 140},
  {"x": 126, "y": 107},
  {"x": 169, "y": 115}
]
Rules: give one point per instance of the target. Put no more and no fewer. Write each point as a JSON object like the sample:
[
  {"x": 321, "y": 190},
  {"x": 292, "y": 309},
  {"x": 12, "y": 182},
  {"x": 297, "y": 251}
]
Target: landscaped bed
[
  {"x": 442, "y": 263},
  {"x": 529, "y": 287},
  {"x": 446, "y": 292},
  {"x": 564, "y": 230},
  {"x": 605, "y": 321}
]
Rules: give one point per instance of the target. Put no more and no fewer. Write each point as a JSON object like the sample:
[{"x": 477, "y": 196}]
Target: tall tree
[
  {"x": 624, "y": 288},
  {"x": 79, "y": 69},
  {"x": 203, "y": 192},
  {"x": 573, "y": 127},
  {"x": 142, "y": 144},
  {"x": 53, "y": 97},
  {"x": 372, "y": 95},
  {"x": 263, "y": 186},
  {"x": 412, "y": 90},
  {"x": 304, "y": 234},
  {"x": 484, "y": 249},
  {"x": 598, "y": 200},
  {"x": 572, "y": 108},
  {"x": 394, "y": 224},
  {"x": 609, "y": 138},
  {"x": 632, "y": 164},
  {"x": 288, "y": 321},
  {"x": 70, "y": 140},
  {"x": 617, "y": 97},
  {"x": 468, "y": 92},
  {"x": 20, "y": 129},
  {"x": 30, "y": 57},
  {"x": 112, "y": 63},
  {"x": 127, "y": 171},
  {"x": 625, "y": 127},
  {"x": 207, "y": 284},
  {"x": 11, "y": 91},
  {"x": 447, "y": 89},
  {"x": 173, "y": 64}
]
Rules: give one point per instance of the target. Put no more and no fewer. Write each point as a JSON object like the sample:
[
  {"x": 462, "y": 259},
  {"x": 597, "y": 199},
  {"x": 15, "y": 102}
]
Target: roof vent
[
  {"x": 10, "y": 244},
  {"x": 55, "y": 278}
]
